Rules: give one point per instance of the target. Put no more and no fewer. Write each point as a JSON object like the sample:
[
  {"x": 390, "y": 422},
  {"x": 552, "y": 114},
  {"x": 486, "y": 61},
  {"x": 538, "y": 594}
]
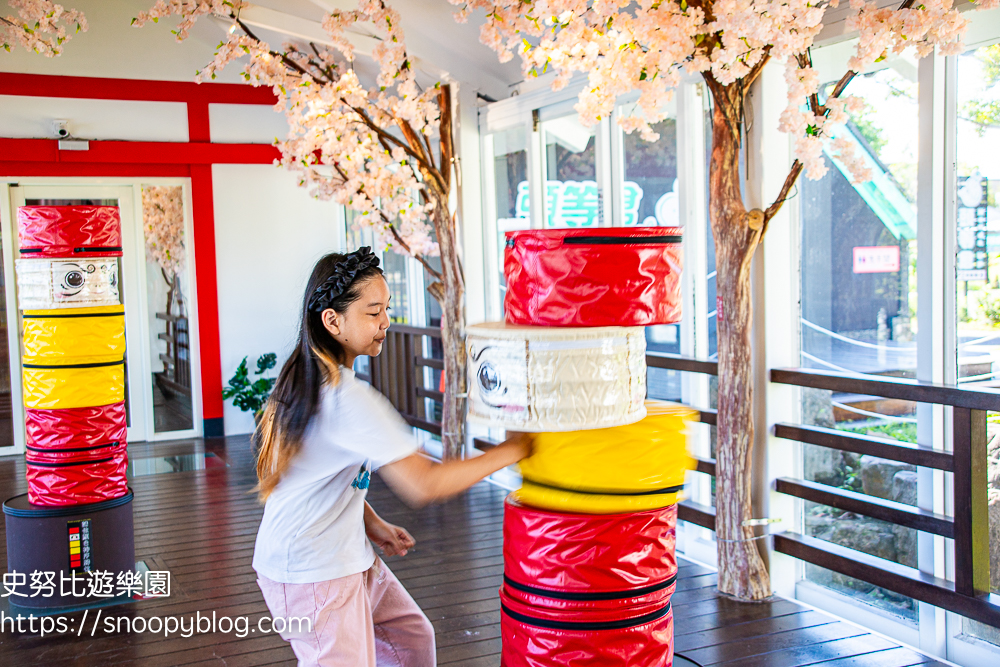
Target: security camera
[{"x": 59, "y": 127}]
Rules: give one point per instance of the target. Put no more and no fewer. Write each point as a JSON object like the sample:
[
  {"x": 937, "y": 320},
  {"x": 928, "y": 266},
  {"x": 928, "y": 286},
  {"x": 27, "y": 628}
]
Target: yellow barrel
[
  {"x": 96, "y": 381},
  {"x": 628, "y": 468},
  {"x": 61, "y": 335}
]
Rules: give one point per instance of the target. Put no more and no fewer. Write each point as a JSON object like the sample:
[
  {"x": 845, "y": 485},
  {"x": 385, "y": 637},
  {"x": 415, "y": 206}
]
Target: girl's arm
[
  {"x": 393, "y": 540},
  {"x": 418, "y": 480}
]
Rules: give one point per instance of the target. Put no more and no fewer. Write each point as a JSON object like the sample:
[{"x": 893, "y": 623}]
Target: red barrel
[
  {"x": 589, "y": 553},
  {"x": 69, "y": 231},
  {"x": 597, "y": 277},
  {"x": 76, "y": 427},
  {"x": 587, "y": 590},
  {"x": 532, "y": 638},
  {"x": 61, "y": 478}
]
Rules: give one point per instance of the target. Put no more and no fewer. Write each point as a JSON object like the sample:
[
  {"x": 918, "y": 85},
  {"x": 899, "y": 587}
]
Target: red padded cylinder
[
  {"x": 73, "y": 454},
  {"x": 76, "y": 427},
  {"x": 76, "y": 482},
  {"x": 533, "y": 639},
  {"x": 69, "y": 231},
  {"x": 589, "y": 553},
  {"x": 556, "y": 602},
  {"x": 593, "y": 277}
]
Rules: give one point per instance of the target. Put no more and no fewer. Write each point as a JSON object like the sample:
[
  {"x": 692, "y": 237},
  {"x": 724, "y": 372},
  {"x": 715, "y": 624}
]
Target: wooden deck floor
[{"x": 201, "y": 526}]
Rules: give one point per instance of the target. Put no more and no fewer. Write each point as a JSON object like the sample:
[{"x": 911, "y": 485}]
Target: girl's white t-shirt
[{"x": 313, "y": 527}]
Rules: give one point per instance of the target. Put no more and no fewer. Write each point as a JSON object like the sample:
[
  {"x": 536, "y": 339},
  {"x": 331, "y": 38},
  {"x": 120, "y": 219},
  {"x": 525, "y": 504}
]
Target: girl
[{"x": 322, "y": 435}]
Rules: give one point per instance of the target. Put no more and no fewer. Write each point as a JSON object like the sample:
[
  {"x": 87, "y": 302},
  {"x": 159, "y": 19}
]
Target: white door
[{"x": 138, "y": 283}]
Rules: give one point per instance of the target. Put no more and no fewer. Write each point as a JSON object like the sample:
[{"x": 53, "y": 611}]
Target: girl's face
[{"x": 361, "y": 329}]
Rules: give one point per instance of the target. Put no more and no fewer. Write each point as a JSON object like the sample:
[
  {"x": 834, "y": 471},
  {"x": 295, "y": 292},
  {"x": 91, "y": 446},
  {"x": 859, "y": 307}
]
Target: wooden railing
[
  {"x": 176, "y": 374},
  {"x": 399, "y": 374},
  {"x": 969, "y": 594}
]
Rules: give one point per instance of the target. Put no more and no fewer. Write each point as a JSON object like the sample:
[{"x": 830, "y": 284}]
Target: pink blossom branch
[
  {"x": 40, "y": 26},
  {"x": 420, "y": 258}
]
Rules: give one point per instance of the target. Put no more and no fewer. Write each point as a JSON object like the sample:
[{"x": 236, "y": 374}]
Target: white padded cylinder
[
  {"x": 67, "y": 283},
  {"x": 556, "y": 379}
]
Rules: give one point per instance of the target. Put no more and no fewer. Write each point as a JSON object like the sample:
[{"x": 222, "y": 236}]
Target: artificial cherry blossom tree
[
  {"x": 649, "y": 45},
  {"x": 163, "y": 231},
  {"x": 40, "y": 26},
  {"x": 384, "y": 150}
]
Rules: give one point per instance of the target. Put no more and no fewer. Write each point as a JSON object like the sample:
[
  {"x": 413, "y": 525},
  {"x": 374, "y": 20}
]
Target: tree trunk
[
  {"x": 742, "y": 572},
  {"x": 171, "y": 281},
  {"x": 450, "y": 294}
]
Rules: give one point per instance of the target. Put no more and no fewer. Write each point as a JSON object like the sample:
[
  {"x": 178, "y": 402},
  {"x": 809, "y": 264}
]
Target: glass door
[
  {"x": 137, "y": 396},
  {"x": 164, "y": 264}
]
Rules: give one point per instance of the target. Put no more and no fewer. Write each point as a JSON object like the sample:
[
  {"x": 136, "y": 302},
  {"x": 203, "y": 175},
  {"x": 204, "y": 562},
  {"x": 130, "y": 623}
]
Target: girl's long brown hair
[{"x": 296, "y": 395}]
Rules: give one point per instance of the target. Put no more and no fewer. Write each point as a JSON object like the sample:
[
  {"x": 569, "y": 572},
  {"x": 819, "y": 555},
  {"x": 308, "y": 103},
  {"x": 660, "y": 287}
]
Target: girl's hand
[
  {"x": 392, "y": 540},
  {"x": 517, "y": 445}
]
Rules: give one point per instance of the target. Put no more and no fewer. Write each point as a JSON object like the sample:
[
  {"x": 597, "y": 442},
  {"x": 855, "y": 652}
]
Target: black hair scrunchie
[{"x": 341, "y": 278}]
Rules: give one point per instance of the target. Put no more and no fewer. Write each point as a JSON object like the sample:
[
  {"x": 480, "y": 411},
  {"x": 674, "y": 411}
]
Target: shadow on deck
[{"x": 201, "y": 525}]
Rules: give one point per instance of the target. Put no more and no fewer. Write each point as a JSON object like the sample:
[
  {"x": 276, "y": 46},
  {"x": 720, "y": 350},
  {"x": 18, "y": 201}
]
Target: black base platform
[{"x": 66, "y": 540}]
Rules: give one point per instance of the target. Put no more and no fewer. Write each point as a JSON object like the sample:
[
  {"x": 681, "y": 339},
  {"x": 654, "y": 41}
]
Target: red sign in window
[{"x": 876, "y": 259}]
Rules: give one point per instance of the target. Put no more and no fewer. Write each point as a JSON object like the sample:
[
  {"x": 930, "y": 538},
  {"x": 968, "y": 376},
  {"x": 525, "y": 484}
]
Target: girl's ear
[{"x": 331, "y": 320}]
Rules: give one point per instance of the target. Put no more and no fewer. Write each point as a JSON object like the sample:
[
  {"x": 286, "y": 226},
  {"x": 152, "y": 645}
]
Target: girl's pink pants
[{"x": 362, "y": 620}]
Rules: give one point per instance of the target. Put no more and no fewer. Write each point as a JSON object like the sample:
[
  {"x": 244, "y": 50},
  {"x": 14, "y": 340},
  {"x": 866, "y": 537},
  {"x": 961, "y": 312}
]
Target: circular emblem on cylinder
[
  {"x": 74, "y": 279},
  {"x": 489, "y": 379}
]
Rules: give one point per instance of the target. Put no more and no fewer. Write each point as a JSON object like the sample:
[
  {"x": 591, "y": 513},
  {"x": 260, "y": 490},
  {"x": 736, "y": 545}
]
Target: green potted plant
[{"x": 247, "y": 395}]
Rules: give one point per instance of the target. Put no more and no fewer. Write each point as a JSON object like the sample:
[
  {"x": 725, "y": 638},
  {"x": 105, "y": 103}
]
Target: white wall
[
  {"x": 268, "y": 234},
  {"x": 32, "y": 118},
  {"x": 246, "y": 124},
  {"x": 113, "y": 48}
]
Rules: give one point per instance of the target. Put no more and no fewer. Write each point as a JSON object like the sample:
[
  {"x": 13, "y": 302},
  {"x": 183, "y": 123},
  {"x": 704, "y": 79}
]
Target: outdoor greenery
[
  {"x": 902, "y": 431},
  {"x": 990, "y": 303},
  {"x": 869, "y": 129},
  {"x": 985, "y": 113}
]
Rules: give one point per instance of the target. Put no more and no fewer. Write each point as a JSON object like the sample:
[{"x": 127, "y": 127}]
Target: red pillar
[{"x": 203, "y": 212}]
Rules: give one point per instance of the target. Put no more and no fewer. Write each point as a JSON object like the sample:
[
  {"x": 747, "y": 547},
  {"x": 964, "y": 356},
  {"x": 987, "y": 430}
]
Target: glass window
[
  {"x": 859, "y": 241},
  {"x": 571, "y": 194},
  {"x": 649, "y": 198},
  {"x": 513, "y": 202},
  {"x": 711, "y": 297},
  {"x": 166, "y": 290},
  {"x": 977, "y": 259},
  {"x": 649, "y": 194},
  {"x": 393, "y": 265},
  {"x": 858, "y": 300}
]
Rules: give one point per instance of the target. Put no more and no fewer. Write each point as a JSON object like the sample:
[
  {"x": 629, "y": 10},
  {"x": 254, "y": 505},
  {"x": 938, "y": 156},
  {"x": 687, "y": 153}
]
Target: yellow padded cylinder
[
  {"x": 562, "y": 500},
  {"x": 628, "y": 468},
  {"x": 66, "y": 335},
  {"x": 48, "y": 386}
]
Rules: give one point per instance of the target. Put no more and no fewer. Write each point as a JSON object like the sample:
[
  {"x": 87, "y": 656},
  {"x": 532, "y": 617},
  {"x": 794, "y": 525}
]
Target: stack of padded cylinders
[
  {"x": 589, "y": 561},
  {"x": 73, "y": 361}
]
